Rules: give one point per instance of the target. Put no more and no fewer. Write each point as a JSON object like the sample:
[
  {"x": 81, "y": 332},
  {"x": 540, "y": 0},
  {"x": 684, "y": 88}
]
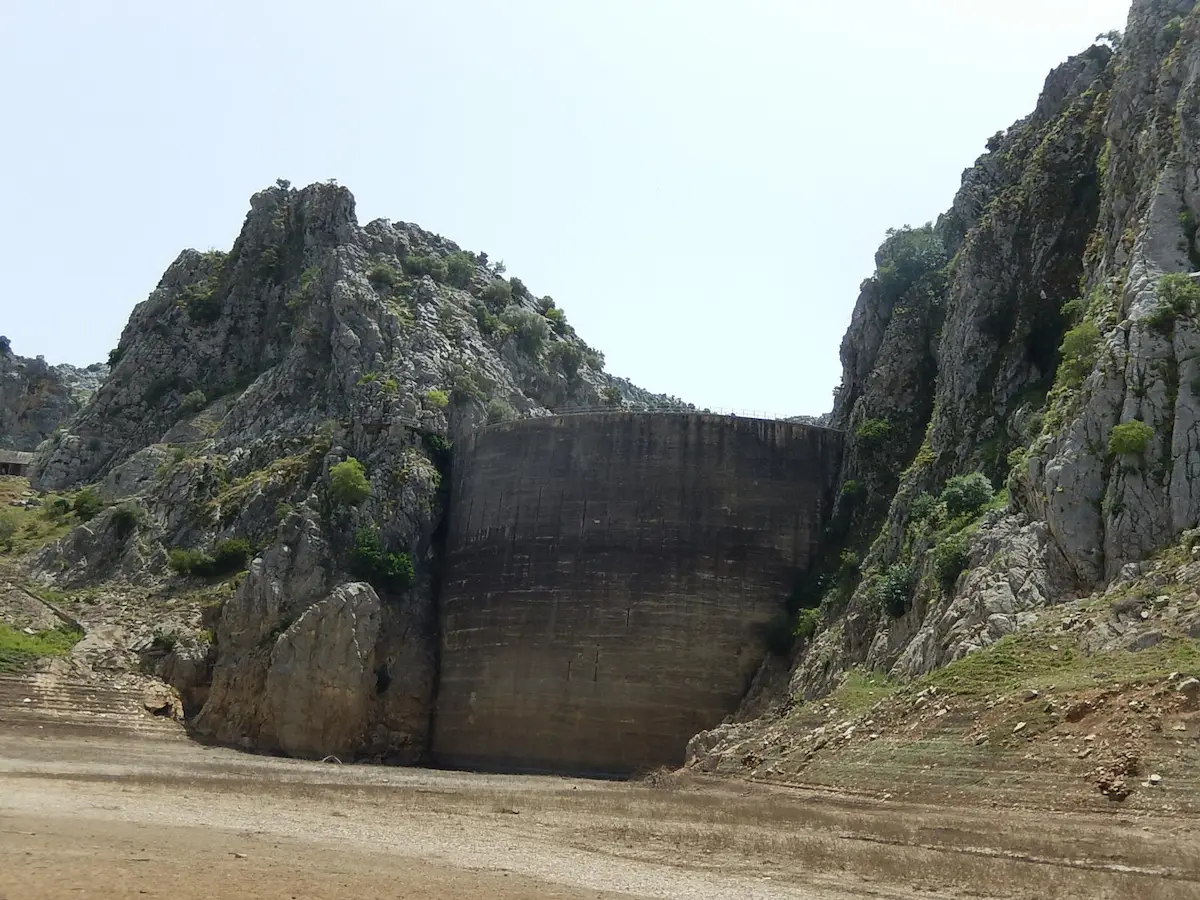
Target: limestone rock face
[
  {"x": 321, "y": 674},
  {"x": 1009, "y": 339},
  {"x": 36, "y": 397}
]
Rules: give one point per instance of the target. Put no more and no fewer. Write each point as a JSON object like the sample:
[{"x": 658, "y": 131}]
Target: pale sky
[{"x": 700, "y": 185}]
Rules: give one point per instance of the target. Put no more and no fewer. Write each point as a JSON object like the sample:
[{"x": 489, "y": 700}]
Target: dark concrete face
[{"x": 608, "y": 578}]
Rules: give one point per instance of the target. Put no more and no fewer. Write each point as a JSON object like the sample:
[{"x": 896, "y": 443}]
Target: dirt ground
[{"x": 113, "y": 816}]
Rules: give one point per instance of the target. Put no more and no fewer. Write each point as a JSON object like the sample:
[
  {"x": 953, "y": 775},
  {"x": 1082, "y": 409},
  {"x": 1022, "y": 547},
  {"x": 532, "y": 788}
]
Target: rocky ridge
[
  {"x": 287, "y": 409},
  {"x": 36, "y": 397},
  {"x": 1020, "y": 390}
]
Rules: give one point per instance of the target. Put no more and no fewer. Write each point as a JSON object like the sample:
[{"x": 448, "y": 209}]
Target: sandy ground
[{"x": 130, "y": 817}]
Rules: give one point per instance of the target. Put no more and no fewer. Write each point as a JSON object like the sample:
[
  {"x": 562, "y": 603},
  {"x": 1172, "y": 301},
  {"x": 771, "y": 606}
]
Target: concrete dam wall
[{"x": 608, "y": 578}]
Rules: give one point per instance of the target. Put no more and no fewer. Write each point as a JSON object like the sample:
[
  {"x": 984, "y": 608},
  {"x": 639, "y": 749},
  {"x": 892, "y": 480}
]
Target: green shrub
[
  {"x": 489, "y": 324},
  {"x": 368, "y": 559},
  {"x": 923, "y": 508},
  {"x": 466, "y": 387},
  {"x": 611, "y": 396},
  {"x": 893, "y": 590},
  {"x": 966, "y": 495},
  {"x": 114, "y": 356},
  {"x": 348, "y": 483},
  {"x": 873, "y": 433},
  {"x": 19, "y": 650},
  {"x": 460, "y": 269},
  {"x": 807, "y": 623},
  {"x": 905, "y": 257},
  {"x": 950, "y": 558},
  {"x": 1179, "y": 292},
  {"x": 202, "y": 303},
  {"x": 8, "y": 528},
  {"x": 228, "y": 556},
  {"x": 1172, "y": 31},
  {"x": 499, "y": 411},
  {"x": 126, "y": 518},
  {"x": 853, "y": 490},
  {"x": 185, "y": 562},
  {"x": 1129, "y": 438},
  {"x": 530, "y": 329},
  {"x": 568, "y": 357},
  {"x": 1073, "y": 310},
  {"x": 433, "y": 266},
  {"x": 87, "y": 505},
  {"x": 60, "y": 507},
  {"x": 518, "y": 287},
  {"x": 193, "y": 401},
  {"x": 558, "y": 320},
  {"x": 498, "y": 294},
  {"x": 383, "y": 277},
  {"x": 1161, "y": 318},
  {"x": 1079, "y": 351},
  {"x": 437, "y": 399}
]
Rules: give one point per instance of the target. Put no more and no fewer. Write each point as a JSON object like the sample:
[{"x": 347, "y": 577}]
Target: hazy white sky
[{"x": 701, "y": 185}]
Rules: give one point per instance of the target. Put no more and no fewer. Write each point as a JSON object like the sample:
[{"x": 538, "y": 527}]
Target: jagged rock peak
[{"x": 36, "y": 397}]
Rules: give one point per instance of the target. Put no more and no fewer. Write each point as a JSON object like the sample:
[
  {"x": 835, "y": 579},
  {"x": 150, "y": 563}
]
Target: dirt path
[{"x": 112, "y": 817}]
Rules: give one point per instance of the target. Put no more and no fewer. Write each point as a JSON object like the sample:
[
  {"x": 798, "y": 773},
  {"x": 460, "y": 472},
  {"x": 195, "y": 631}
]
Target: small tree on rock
[{"x": 348, "y": 483}]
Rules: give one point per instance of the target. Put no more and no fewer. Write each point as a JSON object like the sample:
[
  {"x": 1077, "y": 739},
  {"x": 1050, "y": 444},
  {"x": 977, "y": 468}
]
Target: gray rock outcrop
[
  {"x": 1028, "y": 338},
  {"x": 36, "y": 397},
  {"x": 238, "y": 389}
]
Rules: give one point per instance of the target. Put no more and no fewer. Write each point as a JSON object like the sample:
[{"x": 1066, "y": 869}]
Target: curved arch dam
[{"x": 608, "y": 579}]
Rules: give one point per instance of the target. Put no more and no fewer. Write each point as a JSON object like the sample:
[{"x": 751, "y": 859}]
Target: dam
[{"x": 608, "y": 578}]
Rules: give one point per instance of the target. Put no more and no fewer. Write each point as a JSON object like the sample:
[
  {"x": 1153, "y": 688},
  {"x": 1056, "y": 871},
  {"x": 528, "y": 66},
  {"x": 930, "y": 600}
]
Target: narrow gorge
[{"x": 327, "y": 490}]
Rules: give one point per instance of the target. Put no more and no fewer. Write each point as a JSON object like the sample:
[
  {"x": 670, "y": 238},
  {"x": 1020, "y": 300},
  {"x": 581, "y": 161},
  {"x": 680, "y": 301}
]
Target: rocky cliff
[
  {"x": 1021, "y": 473},
  {"x": 1021, "y": 389},
  {"x": 289, "y": 407},
  {"x": 36, "y": 397}
]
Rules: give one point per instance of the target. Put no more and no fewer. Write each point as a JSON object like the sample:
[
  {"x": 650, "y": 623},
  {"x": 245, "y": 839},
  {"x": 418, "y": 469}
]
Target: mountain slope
[
  {"x": 36, "y": 397},
  {"x": 1019, "y": 394},
  {"x": 289, "y": 406}
]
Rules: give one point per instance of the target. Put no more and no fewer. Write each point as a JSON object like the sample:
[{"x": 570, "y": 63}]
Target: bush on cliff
[
  {"x": 531, "y": 330},
  {"x": 348, "y": 483},
  {"x": 807, "y": 623},
  {"x": 437, "y": 399},
  {"x": 873, "y": 433},
  {"x": 87, "y": 505},
  {"x": 1129, "y": 438},
  {"x": 966, "y": 495},
  {"x": 499, "y": 411},
  {"x": 228, "y": 556},
  {"x": 1179, "y": 292},
  {"x": 420, "y": 266},
  {"x": 951, "y": 557},
  {"x": 893, "y": 590},
  {"x": 1079, "y": 350},
  {"x": 498, "y": 294},
  {"x": 369, "y": 560},
  {"x": 460, "y": 269}
]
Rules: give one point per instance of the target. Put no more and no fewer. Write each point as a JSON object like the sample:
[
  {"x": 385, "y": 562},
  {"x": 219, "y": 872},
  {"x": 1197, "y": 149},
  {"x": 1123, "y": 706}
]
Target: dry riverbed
[{"x": 113, "y": 816}]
